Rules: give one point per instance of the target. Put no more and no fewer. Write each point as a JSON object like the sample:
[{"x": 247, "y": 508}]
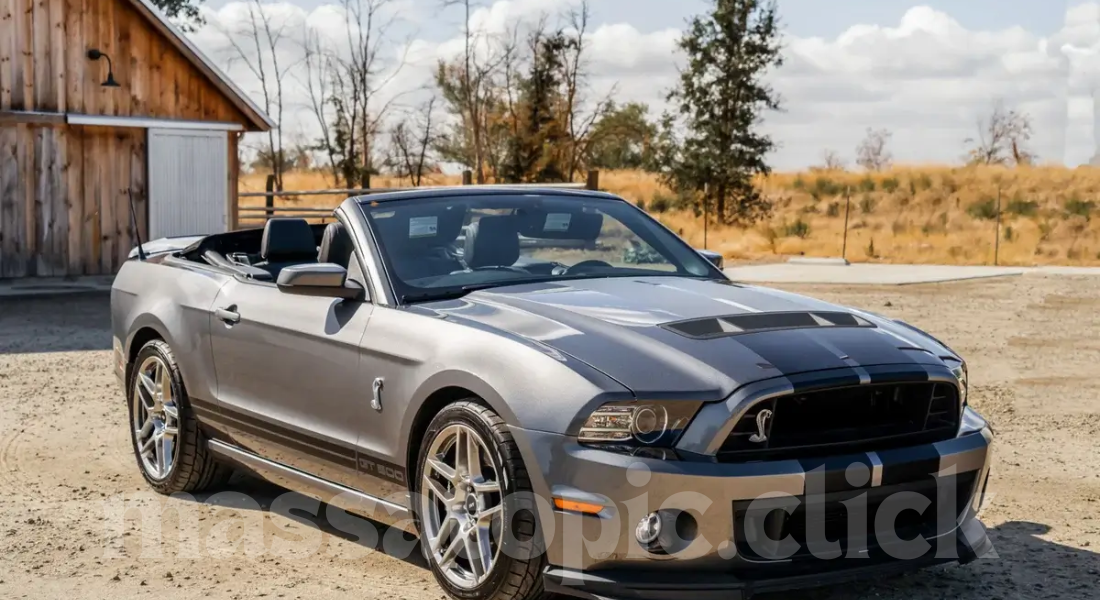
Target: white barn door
[{"x": 188, "y": 182}]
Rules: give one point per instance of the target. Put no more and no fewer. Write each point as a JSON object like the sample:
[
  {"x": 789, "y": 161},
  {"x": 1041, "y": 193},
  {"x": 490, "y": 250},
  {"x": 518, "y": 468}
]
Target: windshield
[{"x": 448, "y": 246}]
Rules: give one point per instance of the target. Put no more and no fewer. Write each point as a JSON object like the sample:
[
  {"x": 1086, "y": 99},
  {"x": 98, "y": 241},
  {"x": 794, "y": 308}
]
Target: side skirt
[{"x": 334, "y": 494}]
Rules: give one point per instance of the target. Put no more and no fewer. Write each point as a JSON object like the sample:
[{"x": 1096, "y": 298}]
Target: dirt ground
[{"x": 1033, "y": 344}]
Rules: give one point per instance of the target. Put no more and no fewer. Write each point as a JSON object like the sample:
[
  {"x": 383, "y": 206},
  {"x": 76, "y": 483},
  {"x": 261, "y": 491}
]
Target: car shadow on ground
[
  {"x": 1024, "y": 566},
  {"x": 59, "y": 323},
  {"x": 366, "y": 533}
]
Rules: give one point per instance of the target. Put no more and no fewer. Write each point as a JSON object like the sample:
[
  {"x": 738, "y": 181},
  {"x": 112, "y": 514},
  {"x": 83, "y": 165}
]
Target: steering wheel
[{"x": 585, "y": 264}]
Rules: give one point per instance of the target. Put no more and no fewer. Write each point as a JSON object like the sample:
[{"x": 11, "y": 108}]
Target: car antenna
[{"x": 134, "y": 220}]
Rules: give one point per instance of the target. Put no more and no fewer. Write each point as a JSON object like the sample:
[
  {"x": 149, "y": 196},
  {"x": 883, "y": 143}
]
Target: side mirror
[
  {"x": 318, "y": 279},
  {"x": 714, "y": 258}
]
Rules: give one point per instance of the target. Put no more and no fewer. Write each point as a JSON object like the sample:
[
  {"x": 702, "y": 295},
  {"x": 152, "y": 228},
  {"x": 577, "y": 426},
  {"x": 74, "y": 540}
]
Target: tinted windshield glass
[{"x": 440, "y": 247}]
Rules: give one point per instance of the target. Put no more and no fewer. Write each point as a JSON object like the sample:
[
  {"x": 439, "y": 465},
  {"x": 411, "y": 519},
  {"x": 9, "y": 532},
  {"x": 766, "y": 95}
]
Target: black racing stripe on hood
[{"x": 792, "y": 351}]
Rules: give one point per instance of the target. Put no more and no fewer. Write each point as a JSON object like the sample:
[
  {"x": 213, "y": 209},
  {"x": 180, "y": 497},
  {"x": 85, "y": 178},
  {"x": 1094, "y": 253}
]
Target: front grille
[
  {"x": 947, "y": 498},
  {"x": 845, "y": 420}
]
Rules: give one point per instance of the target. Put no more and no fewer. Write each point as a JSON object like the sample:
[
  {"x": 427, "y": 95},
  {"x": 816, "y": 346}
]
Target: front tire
[
  {"x": 170, "y": 449},
  {"x": 475, "y": 509}
]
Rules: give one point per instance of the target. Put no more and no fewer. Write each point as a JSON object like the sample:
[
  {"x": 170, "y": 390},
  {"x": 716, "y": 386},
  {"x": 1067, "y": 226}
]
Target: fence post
[
  {"x": 997, "y": 240},
  {"x": 593, "y": 182},
  {"x": 467, "y": 178},
  {"x": 706, "y": 210},
  {"x": 847, "y": 209},
  {"x": 269, "y": 199}
]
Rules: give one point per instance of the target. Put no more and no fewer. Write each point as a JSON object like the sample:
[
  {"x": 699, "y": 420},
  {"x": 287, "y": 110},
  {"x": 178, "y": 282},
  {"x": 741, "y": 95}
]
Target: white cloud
[{"x": 927, "y": 77}]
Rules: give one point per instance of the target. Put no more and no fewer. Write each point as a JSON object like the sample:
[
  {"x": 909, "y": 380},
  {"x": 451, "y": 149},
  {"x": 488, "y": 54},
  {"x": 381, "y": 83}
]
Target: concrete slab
[
  {"x": 52, "y": 286},
  {"x": 865, "y": 274}
]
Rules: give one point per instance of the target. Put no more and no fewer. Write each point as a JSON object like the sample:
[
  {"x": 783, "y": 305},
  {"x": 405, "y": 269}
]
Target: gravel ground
[{"x": 1033, "y": 344}]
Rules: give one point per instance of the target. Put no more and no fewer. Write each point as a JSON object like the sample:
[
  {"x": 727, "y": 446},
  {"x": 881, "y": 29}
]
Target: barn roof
[{"x": 256, "y": 116}]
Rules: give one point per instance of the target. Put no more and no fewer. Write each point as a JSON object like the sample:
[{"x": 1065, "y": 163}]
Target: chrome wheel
[
  {"x": 462, "y": 507},
  {"x": 155, "y": 418}
]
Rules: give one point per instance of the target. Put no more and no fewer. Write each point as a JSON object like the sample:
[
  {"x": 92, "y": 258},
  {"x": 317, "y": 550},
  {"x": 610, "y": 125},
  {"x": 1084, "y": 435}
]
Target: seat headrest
[
  {"x": 420, "y": 228},
  {"x": 288, "y": 239},
  {"x": 336, "y": 246},
  {"x": 492, "y": 242}
]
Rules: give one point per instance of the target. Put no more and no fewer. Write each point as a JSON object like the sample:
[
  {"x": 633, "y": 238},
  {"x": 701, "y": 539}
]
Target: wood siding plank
[
  {"x": 25, "y": 190},
  {"x": 11, "y": 201},
  {"x": 23, "y": 57},
  {"x": 93, "y": 191},
  {"x": 8, "y": 39},
  {"x": 38, "y": 219},
  {"x": 43, "y": 79},
  {"x": 75, "y": 58},
  {"x": 74, "y": 198},
  {"x": 58, "y": 87}
]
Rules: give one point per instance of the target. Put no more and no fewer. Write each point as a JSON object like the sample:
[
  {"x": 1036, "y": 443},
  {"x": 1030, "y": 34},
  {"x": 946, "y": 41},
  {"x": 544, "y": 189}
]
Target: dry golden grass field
[{"x": 945, "y": 215}]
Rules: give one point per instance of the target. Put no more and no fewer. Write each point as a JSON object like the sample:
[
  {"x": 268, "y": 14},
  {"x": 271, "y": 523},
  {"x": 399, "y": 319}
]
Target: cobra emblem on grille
[{"x": 761, "y": 434}]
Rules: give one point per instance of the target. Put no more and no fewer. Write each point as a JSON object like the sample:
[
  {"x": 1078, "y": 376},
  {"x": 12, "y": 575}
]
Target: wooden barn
[{"x": 101, "y": 99}]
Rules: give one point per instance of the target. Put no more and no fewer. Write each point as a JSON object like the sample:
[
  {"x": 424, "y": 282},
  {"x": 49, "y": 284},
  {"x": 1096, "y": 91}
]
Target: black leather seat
[
  {"x": 336, "y": 246},
  {"x": 492, "y": 242},
  {"x": 286, "y": 242}
]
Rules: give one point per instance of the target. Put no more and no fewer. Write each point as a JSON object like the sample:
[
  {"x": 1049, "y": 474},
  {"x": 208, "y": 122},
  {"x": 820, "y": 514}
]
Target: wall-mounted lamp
[{"x": 95, "y": 54}]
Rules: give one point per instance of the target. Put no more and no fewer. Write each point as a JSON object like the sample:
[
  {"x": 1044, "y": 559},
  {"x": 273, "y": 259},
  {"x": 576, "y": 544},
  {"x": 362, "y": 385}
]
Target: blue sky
[{"x": 926, "y": 70}]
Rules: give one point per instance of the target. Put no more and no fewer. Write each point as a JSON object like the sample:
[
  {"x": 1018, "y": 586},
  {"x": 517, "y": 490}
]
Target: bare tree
[
  {"x": 344, "y": 79},
  {"x": 259, "y": 43},
  {"x": 1001, "y": 138},
  {"x": 872, "y": 153},
  {"x": 832, "y": 160},
  {"x": 574, "y": 76},
  {"x": 468, "y": 85},
  {"x": 411, "y": 140}
]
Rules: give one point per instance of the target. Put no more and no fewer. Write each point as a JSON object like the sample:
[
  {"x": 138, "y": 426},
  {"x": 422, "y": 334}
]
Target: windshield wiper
[{"x": 450, "y": 294}]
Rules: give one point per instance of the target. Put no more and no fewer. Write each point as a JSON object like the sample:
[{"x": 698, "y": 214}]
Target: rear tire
[
  {"x": 170, "y": 449},
  {"x": 499, "y": 479}
]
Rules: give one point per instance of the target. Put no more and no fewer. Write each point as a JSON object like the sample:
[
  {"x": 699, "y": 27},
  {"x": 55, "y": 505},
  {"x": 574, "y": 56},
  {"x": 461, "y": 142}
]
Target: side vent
[{"x": 713, "y": 327}]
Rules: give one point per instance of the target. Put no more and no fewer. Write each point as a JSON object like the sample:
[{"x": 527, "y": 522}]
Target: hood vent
[{"x": 714, "y": 327}]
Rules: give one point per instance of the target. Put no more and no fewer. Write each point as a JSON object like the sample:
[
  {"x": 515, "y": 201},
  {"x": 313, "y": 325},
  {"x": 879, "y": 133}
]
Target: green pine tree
[{"x": 710, "y": 145}]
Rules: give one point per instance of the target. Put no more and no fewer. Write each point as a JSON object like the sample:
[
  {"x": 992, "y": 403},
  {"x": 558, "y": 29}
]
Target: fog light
[{"x": 648, "y": 530}]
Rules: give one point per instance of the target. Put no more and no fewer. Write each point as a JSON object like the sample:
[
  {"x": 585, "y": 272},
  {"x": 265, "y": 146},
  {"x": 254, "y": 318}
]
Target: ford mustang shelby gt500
[{"x": 555, "y": 393}]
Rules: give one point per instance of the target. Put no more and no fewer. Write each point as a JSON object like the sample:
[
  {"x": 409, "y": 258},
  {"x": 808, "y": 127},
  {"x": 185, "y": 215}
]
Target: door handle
[{"x": 228, "y": 315}]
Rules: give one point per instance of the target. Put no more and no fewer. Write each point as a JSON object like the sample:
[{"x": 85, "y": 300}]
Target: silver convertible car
[{"x": 555, "y": 393}]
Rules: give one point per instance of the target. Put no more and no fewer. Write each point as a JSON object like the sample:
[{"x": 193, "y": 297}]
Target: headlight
[
  {"x": 960, "y": 374},
  {"x": 648, "y": 424}
]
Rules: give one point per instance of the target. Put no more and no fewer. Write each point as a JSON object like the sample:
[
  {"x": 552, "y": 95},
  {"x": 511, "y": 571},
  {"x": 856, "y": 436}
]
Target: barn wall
[
  {"x": 43, "y": 66},
  {"x": 64, "y": 208}
]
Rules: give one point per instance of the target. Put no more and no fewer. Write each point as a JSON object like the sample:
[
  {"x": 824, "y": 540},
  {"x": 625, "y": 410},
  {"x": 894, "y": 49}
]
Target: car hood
[{"x": 692, "y": 338}]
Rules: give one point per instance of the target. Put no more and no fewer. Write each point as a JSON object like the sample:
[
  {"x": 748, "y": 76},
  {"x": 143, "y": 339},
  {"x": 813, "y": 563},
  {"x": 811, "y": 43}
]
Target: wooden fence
[{"x": 257, "y": 215}]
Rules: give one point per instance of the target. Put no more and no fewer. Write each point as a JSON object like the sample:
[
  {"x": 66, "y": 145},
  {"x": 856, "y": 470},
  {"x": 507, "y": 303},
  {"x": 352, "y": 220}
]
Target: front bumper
[
  {"x": 971, "y": 539},
  {"x": 589, "y": 553}
]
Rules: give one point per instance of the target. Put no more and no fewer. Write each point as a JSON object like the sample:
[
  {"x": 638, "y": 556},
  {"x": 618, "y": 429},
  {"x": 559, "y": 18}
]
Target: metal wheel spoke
[
  {"x": 148, "y": 398},
  {"x": 442, "y": 468},
  {"x": 171, "y": 411},
  {"x": 486, "y": 487},
  {"x": 165, "y": 384},
  {"x": 451, "y": 553},
  {"x": 147, "y": 445},
  {"x": 162, "y": 456},
  {"x": 473, "y": 457},
  {"x": 436, "y": 488},
  {"x": 484, "y": 549},
  {"x": 473, "y": 553},
  {"x": 146, "y": 428},
  {"x": 444, "y": 529},
  {"x": 486, "y": 516}
]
